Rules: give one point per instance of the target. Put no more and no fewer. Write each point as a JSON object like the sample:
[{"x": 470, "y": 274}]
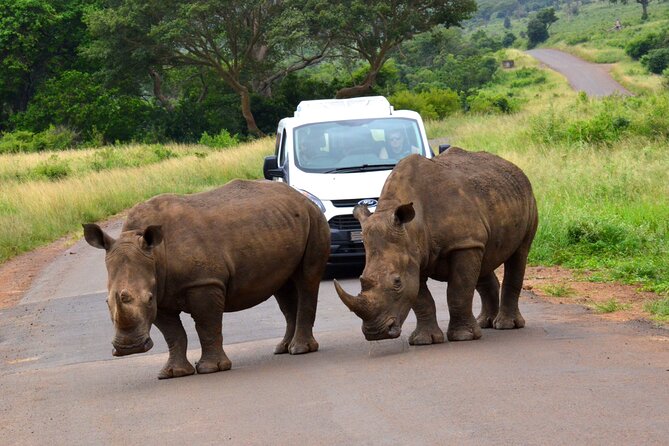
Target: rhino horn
[{"x": 356, "y": 304}]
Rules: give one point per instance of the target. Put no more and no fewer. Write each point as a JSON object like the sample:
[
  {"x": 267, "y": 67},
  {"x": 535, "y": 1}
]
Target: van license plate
[{"x": 356, "y": 236}]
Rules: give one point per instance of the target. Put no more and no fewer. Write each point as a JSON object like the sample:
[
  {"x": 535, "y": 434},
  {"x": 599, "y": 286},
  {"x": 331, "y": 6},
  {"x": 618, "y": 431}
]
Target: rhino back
[
  {"x": 467, "y": 200},
  {"x": 249, "y": 236}
]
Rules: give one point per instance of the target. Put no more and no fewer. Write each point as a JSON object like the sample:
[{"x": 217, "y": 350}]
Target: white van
[{"x": 339, "y": 152}]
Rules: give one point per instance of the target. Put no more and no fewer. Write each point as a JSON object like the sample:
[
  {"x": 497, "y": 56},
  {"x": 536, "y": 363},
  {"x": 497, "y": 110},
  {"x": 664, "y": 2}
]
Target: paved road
[
  {"x": 593, "y": 79},
  {"x": 567, "y": 378}
]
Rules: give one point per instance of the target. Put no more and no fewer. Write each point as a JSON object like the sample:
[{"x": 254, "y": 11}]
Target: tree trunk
[
  {"x": 644, "y": 6},
  {"x": 247, "y": 113},
  {"x": 158, "y": 90}
]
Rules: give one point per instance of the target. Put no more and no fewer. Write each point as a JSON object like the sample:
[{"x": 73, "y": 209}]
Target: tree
[
  {"x": 372, "y": 30},
  {"x": 507, "y": 22},
  {"x": 248, "y": 44},
  {"x": 643, "y": 3},
  {"x": 547, "y": 16},
  {"x": 38, "y": 40},
  {"x": 537, "y": 32}
]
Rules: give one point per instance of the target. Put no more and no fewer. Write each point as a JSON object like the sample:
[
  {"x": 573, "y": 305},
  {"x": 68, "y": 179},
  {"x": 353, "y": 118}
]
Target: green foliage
[
  {"x": 559, "y": 290},
  {"x": 610, "y": 306},
  {"x": 537, "y": 32},
  {"x": 23, "y": 141},
  {"x": 431, "y": 104},
  {"x": 641, "y": 45},
  {"x": 220, "y": 141},
  {"x": 79, "y": 101},
  {"x": 607, "y": 121},
  {"x": 53, "y": 168},
  {"x": 657, "y": 60},
  {"x": 659, "y": 308},
  {"x": 485, "y": 102}
]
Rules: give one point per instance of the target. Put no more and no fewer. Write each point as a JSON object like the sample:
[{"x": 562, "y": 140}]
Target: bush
[
  {"x": 434, "y": 103},
  {"x": 488, "y": 102},
  {"x": 657, "y": 60},
  {"x": 641, "y": 45},
  {"x": 23, "y": 141},
  {"x": 53, "y": 168},
  {"x": 220, "y": 141},
  {"x": 537, "y": 32}
]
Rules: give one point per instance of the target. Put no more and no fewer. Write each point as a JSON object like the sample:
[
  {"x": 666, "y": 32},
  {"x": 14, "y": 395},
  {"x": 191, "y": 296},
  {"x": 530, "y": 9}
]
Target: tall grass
[{"x": 33, "y": 213}]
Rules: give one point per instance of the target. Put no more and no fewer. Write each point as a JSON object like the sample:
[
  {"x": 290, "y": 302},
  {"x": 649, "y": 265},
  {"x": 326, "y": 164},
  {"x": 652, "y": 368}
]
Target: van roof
[{"x": 332, "y": 108}]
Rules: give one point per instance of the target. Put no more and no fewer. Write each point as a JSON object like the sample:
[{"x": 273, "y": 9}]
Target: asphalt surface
[
  {"x": 566, "y": 378},
  {"x": 593, "y": 79}
]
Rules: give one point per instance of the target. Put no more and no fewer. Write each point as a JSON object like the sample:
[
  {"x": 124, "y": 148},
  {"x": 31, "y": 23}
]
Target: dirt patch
[
  {"x": 553, "y": 284},
  {"x": 564, "y": 286}
]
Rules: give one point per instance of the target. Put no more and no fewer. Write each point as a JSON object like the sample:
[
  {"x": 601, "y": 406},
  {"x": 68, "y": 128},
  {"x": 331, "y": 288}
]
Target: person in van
[{"x": 397, "y": 146}]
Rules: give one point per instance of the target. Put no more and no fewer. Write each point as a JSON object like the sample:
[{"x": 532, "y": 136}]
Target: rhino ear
[
  {"x": 404, "y": 213},
  {"x": 96, "y": 237},
  {"x": 361, "y": 212},
  {"x": 152, "y": 236}
]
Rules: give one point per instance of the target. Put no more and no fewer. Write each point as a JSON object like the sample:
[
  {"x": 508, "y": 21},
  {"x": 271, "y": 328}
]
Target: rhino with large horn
[
  {"x": 454, "y": 218},
  {"x": 223, "y": 250}
]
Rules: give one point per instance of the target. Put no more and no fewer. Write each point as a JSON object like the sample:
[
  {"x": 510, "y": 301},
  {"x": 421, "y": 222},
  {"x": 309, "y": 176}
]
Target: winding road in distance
[{"x": 594, "y": 79}]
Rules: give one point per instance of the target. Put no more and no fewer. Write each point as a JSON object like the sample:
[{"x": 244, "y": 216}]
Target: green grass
[
  {"x": 610, "y": 306},
  {"x": 559, "y": 290},
  {"x": 37, "y": 211},
  {"x": 659, "y": 309}
]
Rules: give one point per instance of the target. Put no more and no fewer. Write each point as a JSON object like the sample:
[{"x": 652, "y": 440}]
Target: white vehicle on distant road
[{"x": 339, "y": 152}]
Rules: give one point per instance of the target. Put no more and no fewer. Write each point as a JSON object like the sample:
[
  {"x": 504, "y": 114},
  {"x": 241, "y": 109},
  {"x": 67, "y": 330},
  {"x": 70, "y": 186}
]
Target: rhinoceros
[
  {"x": 453, "y": 218},
  {"x": 218, "y": 251}
]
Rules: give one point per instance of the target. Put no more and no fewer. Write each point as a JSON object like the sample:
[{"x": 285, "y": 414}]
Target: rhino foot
[
  {"x": 212, "y": 365},
  {"x": 298, "y": 348},
  {"x": 463, "y": 333},
  {"x": 485, "y": 321},
  {"x": 281, "y": 348},
  {"x": 426, "y": 336},
  {"x": 507, "y": 322},
  {"x": 174, "y": 371}
]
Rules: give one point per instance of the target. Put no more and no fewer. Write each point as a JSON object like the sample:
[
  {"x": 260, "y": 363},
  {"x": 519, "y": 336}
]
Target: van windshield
[{"x": 356, "y": 145}]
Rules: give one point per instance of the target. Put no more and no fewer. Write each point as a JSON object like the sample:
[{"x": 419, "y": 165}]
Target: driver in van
[{"x": 397, "y": 146}]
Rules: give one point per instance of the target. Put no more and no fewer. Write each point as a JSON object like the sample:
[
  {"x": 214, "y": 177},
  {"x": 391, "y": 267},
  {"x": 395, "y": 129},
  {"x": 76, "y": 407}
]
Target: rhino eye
[{"x": 397, "y": 283}]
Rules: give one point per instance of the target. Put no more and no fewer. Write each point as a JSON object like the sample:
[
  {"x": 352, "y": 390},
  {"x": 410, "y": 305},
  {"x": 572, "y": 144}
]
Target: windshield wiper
[{"x": 362, "y": 168}]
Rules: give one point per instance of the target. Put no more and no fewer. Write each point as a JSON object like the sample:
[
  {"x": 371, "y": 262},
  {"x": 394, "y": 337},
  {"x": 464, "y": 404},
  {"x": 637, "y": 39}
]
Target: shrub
[
  {"x": 489, "y": 102},
  {"x": 220, "y": 141},
  {"x": 657, "y": 60},
  {"x": 23, "y": 141},
  {"x": 53, "y": 168},
  {"x": 537, "y": 32},
  {"x": 641, "y": 45},
  {"x": 434, "y": 103}
]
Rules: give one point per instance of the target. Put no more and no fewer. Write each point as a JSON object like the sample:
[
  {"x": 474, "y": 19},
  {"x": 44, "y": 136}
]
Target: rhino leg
[
  {"x": 307, "y": 299},
  {"x": 427, "y": 329},
  {"x": 465, "y": 267},
  {"x": 207, "y": 312},
  {"x": 488, "y": 289},
  {"x": 514, "y": 272},
  {"x": 287, "y": 300},
  {"x": 172, "y": 329}
]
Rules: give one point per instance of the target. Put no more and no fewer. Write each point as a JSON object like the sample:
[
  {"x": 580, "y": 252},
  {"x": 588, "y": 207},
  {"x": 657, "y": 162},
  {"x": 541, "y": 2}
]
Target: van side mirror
[
  {"x": 444, "y": 147},
  {"x": 271, "y": 168}
]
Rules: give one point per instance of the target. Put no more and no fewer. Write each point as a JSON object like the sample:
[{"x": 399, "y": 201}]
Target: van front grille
[{"x": 345, "y": 223}]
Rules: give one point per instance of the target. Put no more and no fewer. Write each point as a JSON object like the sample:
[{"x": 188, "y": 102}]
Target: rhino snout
[
  {"x": 390, "y": 329},
  {"x": 123, "y": 349}
]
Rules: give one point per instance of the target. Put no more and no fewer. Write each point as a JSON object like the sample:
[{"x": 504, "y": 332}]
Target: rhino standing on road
[
  {"x": 224, "y": 250},
  {"x": 454, "y": 218}
]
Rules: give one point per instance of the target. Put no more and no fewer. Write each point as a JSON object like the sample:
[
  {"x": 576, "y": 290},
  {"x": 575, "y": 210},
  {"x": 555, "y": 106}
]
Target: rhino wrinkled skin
[
  {"x": 219, "y": 251},
  {"x": 453, "y": 218}
]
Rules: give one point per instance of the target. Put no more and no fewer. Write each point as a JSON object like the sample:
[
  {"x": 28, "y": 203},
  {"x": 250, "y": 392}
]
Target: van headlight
[{"x": 313, "y": 198}]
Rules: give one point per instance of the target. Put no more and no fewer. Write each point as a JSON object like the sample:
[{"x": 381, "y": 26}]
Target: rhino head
[
  {"x": 131, "y": 283},
  {"x": 390, "y": 280}
]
